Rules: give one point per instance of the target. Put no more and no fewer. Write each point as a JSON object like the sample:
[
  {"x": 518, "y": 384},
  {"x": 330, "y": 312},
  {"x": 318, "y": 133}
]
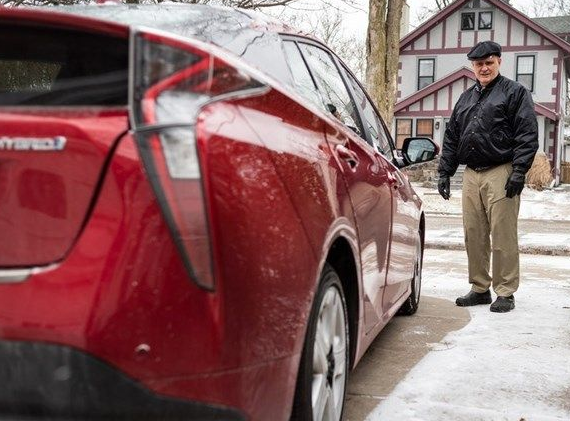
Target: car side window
[
  {"x": 371, "y": 119},
  {"x": 331, "y": 86},
  {"x": 303, "y": 82}
]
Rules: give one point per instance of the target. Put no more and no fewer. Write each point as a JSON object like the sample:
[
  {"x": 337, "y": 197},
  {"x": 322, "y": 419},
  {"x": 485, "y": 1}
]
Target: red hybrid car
[{"x": 202, "y": 216}]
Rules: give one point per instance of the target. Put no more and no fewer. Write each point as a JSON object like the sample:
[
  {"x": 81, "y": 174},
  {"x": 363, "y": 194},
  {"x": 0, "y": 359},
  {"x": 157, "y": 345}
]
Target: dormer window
[
  {"x": 485, "y": 20},
  {"x": 468, "y": 21}
]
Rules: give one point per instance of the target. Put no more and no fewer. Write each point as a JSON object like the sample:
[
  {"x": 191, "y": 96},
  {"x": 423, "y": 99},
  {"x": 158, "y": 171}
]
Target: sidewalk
[{"x": 544, "y": 221}]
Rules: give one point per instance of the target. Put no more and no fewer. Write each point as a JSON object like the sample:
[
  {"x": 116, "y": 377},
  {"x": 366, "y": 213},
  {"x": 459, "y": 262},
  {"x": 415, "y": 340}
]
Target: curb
[{"x": 524, "y": 249}]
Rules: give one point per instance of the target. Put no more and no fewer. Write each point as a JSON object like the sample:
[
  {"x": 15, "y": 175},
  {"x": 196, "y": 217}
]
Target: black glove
[
  {"x": 443, "y": 186},
  {"x": 515, "y": 184}
]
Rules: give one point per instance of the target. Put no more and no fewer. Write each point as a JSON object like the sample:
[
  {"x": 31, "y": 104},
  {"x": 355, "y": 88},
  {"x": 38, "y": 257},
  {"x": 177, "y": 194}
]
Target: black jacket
[{"x": 491, "y": 126}]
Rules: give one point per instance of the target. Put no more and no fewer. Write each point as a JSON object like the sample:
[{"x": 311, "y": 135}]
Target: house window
[
  {"x": 426, "y": 72},
  {"x": 485, "y": 20},
  {"x": 403, "y": 130},
  {"x": 468, "y": 21},
  {"x": 525, "y": 71},
  {"x": 424, "y": 127}
]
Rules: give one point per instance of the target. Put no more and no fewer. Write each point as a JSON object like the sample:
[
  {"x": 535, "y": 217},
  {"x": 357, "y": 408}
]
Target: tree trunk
[{"x": 383, "y": 51}]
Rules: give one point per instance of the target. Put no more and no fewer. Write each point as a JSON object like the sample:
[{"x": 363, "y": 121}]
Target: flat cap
[{"x": 484, "y": 49}]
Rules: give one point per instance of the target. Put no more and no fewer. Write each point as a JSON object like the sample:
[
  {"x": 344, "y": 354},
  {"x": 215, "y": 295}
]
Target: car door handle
[{"x": 347, "y": 155}]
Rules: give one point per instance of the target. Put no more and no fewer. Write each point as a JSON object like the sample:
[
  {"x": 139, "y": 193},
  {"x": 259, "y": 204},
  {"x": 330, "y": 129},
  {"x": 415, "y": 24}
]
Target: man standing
[{"x": 493, "y": 130}]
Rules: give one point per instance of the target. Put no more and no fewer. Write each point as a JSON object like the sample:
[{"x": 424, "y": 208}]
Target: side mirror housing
[{"x": 416, "y": 150}]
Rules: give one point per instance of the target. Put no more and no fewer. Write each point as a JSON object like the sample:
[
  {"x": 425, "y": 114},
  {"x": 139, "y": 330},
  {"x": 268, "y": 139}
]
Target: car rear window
[{"x": 54, "y": 66}]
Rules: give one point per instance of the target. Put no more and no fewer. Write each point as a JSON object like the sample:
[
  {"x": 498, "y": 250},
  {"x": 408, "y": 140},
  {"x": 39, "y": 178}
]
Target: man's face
[{"x": 486, "y": 69}]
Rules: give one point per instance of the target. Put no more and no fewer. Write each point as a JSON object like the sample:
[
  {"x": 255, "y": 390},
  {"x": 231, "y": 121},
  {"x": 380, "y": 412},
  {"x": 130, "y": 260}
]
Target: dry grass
[{"x": 540, "y": 174}]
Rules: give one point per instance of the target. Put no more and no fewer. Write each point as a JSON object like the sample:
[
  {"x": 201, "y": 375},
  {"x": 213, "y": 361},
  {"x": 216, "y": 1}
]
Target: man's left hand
[{"x": 515, "y": 184}]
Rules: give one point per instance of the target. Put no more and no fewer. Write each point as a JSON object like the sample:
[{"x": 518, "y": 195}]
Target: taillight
[{"x": 172, "y": 80}]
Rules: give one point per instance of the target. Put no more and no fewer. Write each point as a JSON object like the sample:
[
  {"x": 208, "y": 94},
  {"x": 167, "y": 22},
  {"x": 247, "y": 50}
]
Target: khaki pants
[{"x": 490, "y": 224}]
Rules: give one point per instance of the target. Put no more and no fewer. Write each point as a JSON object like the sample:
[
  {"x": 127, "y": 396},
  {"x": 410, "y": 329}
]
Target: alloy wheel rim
[
  {"x": 329, "y": 358},
  {"x": 418, "y": 274}
]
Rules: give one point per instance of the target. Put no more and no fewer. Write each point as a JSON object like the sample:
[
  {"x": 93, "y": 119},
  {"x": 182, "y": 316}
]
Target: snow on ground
[
  {"x": 509, "y": 367},
  {"x": 546, "y": 204}
]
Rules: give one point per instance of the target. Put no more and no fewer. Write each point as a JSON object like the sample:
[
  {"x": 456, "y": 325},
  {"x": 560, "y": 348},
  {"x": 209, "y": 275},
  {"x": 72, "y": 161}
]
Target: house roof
[
  {"x": 555, "y": 24},
  {"x": 499, "y": 4}
]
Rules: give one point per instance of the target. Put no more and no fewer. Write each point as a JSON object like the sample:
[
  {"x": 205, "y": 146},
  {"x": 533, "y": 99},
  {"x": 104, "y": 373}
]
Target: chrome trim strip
[{"x": 12, "y": 276}]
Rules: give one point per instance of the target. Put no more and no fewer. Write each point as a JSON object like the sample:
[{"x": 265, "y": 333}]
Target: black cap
[{"x": 484, "y": 49}]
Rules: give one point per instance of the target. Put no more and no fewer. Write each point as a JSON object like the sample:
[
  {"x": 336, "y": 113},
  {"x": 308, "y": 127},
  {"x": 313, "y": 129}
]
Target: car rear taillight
[{"x": 172, "y": 80}]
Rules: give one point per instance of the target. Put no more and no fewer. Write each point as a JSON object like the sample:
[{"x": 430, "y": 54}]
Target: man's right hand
[{"x": 443, "y": 186}]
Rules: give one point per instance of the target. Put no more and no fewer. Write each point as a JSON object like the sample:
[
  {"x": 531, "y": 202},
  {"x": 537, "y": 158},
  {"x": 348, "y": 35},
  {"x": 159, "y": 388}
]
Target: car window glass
[
  {"x": 302, "y": 81},
  {"x": 371, "y": 119},
  {"x": 330, "y": 84}
]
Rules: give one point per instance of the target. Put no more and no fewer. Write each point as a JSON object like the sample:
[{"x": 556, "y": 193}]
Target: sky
[{"x": 356, "y": 17}]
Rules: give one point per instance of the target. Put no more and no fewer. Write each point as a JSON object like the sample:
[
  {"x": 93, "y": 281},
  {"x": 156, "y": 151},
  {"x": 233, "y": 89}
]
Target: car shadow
[{"x": 396, "y": 350}]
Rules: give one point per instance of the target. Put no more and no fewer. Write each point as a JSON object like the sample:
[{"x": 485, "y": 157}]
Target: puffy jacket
[{"x": 491, "y": 126}]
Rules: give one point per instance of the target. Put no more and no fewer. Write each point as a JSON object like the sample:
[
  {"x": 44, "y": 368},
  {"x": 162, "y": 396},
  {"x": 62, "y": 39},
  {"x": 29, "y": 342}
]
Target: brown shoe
[
  {"x": 474, "y": 298},
  {"x": 503, "y": 304}
]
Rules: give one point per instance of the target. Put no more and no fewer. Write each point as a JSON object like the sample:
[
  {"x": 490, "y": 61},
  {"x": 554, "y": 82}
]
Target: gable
[
  {"x": 513, "y": 30},
  {"x": 439, "y": 96}
]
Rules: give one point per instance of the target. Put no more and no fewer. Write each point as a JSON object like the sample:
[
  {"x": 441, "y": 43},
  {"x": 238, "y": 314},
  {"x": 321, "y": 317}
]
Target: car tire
[
  {"x": 411, "y": 305},
  {"x": 323, "y": 370}
]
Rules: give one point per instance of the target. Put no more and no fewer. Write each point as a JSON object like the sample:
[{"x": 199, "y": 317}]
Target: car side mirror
[{"x": 419, "y": 149}]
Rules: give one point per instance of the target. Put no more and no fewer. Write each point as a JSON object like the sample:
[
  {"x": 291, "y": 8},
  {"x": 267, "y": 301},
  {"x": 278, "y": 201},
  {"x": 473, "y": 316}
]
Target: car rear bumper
[{"x": 45, "y": 381}]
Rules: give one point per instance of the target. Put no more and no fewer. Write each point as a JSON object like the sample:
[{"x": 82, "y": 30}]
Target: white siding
[
  {"x": 451, "y": 29},
  {"x": 415, "y": 106},
  {"x": 500, "y": 25},
  {"x": 533, "y": 38},
  {"x": 409, "y": 75},
  {"x": 467, "y": 38},
  {"x": 436, "y": 37},
  {"x": 421, "y": 43},
  {"x": 484, "y": 36},
  {"x": 457, "y": 91},
  {"x": 428, "y": 103},
  {"x": 442, "y": 97},
  {"x": 517, "y": 33}
]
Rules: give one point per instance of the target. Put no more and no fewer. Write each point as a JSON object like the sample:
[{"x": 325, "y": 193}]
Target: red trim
[
  {"x": 558, "y": 77},
  {"x": 399, "y": 65},
  {"x": 421, "y": 104},
  {"x": 550, "y": 105},
  {"x": 499, "y": 4},
  {"x": 434, "y": 87},
  {"x": 555, "y": 76},
  {"x": 450, "y": 97},
  {"x": 546, "y": 112},
  {"x": 465, "y": 50},
  {"x": 459, "y": 38},
  {"x": 443, "y": 34},
  {"x": 476, "y": 37},
  {"x": 428, "y": 39},
  {"x": 433, "y": 113},
  {"x": 435, "y": 104},
  {"x": 492, "y": 35},
  {"x": 525, "y": 42},
  {"x": 509, "y": 29}
]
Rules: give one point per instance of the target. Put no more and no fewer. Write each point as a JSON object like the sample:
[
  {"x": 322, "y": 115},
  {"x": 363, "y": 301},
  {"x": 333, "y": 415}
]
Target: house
[{"x": 434, "y": 70}]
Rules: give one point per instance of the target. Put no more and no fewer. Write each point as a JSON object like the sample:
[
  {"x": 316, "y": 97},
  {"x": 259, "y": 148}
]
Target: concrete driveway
[{"x": 448, "y": 363}]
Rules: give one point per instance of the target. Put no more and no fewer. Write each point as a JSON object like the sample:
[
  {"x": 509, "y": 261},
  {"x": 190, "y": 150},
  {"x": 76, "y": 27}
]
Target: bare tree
[
  {"x": 245, "y": 4},
  {"x": 383, "y": 50}
]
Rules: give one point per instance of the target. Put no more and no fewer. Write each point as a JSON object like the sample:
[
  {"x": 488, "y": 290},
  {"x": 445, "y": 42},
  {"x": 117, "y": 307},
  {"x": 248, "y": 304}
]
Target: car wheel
[
  {"x": 411, "y": 305},
  {"x": 323, "y": 370}
]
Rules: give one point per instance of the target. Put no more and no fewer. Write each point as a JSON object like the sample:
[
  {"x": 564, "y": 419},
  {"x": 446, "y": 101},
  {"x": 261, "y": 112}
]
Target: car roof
[{"x": 186, "y": 20}]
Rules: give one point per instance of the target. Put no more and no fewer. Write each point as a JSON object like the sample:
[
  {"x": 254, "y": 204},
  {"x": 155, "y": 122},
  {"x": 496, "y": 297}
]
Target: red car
[{"x": 202, "y": 217}]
